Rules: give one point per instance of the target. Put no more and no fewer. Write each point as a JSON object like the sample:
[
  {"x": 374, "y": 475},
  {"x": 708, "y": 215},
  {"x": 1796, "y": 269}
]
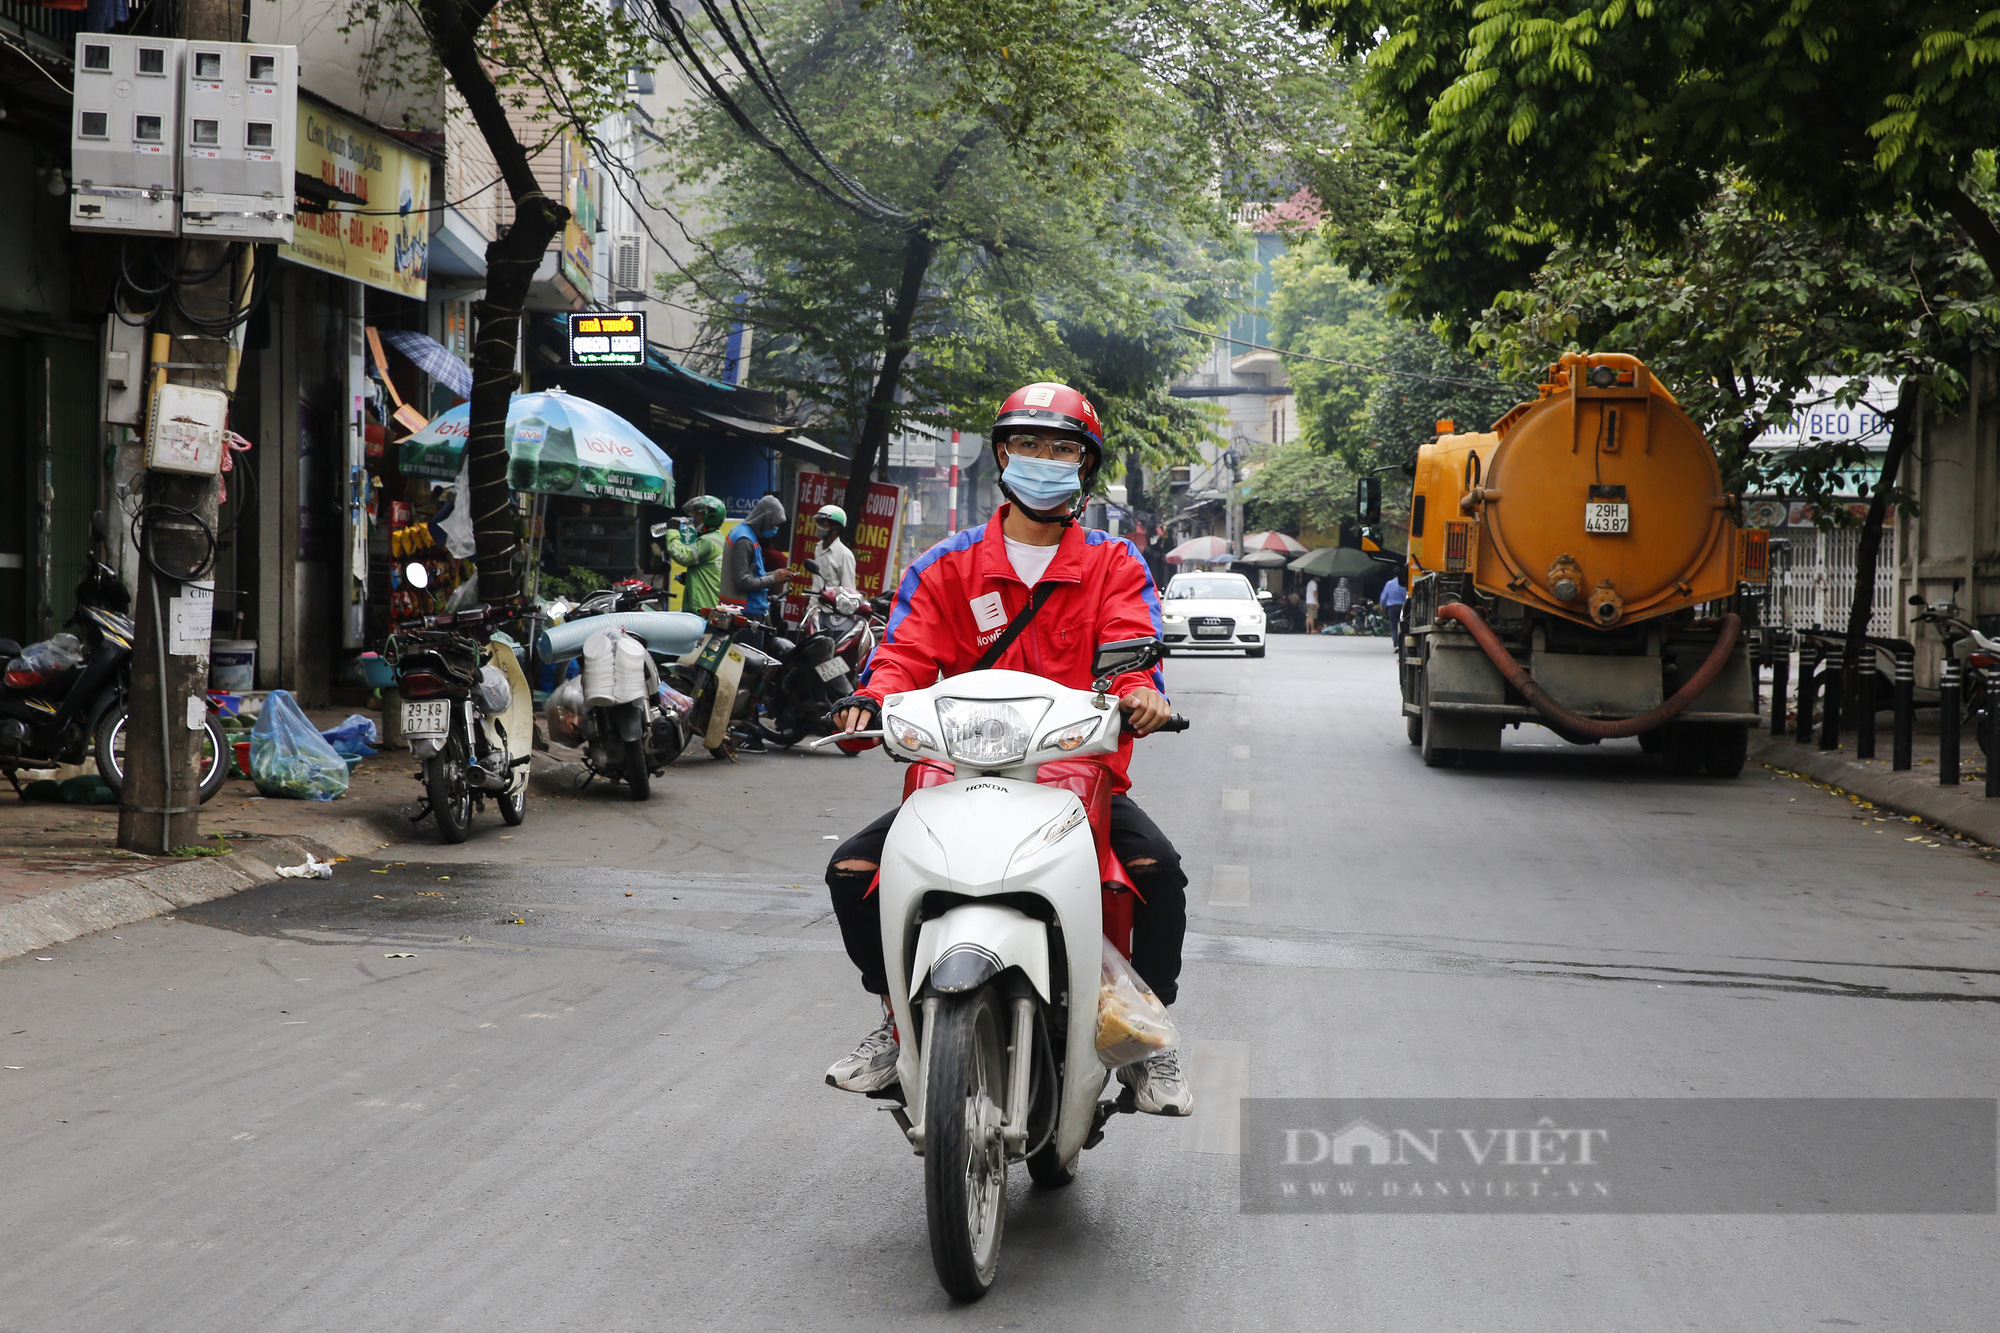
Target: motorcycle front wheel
[
  {"x": 111, "y": 741},
  {"x": 451, "y": 794},
  {"x": 965, "y": 1159},
  {"x": 514, "y": 806}
]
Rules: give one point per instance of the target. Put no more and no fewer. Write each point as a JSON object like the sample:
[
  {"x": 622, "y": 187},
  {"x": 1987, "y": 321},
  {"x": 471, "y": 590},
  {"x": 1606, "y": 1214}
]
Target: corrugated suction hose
[{"x": 1575, "y": 723}]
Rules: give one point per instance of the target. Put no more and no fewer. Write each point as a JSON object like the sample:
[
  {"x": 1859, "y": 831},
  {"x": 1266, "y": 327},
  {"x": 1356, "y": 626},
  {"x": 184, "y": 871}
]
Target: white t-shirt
[
  {"x": 1030, "y": 562},
  {"x": 1312, "y": 592}
]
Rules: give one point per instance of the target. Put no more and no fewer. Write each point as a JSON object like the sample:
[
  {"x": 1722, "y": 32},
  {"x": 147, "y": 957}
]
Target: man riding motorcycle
[
  {"x": 836, "y": 562},
  {"x": 1078, "y": 587}
]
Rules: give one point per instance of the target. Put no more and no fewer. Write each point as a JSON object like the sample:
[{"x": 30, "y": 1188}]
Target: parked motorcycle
[
  {"x": 468, "y": 716},
  {"x": 835, "y": 639},
  {"x": 64, "y": 699},
  {"x": 994, "y": 953},
  {"x": 591, "y": 710},
  {"x": 723, "y": 676}
]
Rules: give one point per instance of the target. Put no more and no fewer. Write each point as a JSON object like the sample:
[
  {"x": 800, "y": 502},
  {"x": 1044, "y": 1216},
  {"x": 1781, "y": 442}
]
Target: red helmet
[{"x": 1053, "y": 407}]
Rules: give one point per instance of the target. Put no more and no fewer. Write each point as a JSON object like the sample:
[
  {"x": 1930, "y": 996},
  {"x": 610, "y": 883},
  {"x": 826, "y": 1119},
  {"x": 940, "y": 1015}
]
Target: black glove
[{"x": 857, "y": 701}]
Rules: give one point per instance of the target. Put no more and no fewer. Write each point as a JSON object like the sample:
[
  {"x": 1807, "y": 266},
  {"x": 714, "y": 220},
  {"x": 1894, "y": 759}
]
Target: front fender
[{"x": 975, "y": 942}]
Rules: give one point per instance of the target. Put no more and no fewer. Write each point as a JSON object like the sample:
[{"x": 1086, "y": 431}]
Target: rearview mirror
[
  {"x": 98, "y": 527},
  {"x": 1115, "y": 659},
  {"x": 811, "y": 566},
  {"x": 1916, "y": 599},
  {"x": 1368, "y": 500}
]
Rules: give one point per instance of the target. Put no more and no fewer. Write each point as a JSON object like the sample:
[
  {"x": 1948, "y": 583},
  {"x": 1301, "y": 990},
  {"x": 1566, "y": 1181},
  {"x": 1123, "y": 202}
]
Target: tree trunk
[
  {"x": 511, "y": 262},
  {"x": 917, "y": 254},
  {"x": 1901, "y": 432},
  {"x": 1978, "y": 226}
]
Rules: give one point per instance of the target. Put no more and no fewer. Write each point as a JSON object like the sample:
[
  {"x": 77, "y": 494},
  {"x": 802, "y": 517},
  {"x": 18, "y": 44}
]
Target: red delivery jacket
[{"x": 962, "y": 593}]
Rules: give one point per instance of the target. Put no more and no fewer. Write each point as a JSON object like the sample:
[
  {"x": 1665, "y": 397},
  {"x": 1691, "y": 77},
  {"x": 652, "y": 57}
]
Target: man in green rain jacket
[{"x": 697, "y": 548}]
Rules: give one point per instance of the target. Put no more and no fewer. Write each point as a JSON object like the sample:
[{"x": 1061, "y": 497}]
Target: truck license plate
[
  {"x": 831, "y": 669},
  {"x": 429, "y": 718},
  {"x": 1603, "y": 516}
]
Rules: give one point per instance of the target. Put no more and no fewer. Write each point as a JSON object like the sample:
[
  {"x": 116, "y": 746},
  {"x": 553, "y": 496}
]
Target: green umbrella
[{"x": 557, "y": 444}]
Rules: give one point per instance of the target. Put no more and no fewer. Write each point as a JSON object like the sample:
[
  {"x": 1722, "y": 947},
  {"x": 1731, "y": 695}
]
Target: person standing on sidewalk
[
  {"x": 1343, "y": 598},
  {"x": 697, "y": 549},
  {"x": 1312, "y": 606},
  {"x": 1393, "y": 598}
]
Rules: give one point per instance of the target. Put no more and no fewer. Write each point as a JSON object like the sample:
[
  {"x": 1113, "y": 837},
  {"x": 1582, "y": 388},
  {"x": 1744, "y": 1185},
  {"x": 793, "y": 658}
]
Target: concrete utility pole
[{"x": 158, "y": 810}]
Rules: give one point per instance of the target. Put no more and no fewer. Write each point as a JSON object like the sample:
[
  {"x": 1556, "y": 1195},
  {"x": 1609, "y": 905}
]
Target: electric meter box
[
  {"x": 125, "y": 135},
  {"x": 239, "y": 108},
  {"x": 187, "y": 430}
]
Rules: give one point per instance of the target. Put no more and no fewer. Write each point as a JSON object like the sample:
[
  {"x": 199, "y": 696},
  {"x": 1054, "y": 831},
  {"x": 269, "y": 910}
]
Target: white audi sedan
[{"x": 1213, "y": 613}]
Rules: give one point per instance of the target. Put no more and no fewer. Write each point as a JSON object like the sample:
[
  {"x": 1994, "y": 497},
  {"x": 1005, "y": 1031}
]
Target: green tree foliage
[
  {"x": 1049, "y": 180},
  {"x": 1318, "y": 309},
  {"x": 1749, "y": 317},
  {"x": 1518, "y": 123}
]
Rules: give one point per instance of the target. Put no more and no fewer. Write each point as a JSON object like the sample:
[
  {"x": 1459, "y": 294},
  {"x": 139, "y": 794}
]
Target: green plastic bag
[{"x": 288, "y": 756}]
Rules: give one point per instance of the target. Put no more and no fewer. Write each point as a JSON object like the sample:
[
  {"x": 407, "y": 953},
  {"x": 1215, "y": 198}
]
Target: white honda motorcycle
[{"x": 996, "y": 891}]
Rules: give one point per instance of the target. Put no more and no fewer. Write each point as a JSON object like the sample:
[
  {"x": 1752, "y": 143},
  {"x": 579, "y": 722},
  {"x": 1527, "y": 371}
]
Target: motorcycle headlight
[
  {"x": 1070, "y": 737},
  {"x": 989, "y": 733},
  {"x": 908, "y": 734}
]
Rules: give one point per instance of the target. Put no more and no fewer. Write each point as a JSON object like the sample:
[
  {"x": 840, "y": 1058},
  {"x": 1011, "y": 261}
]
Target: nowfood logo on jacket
[{"x": 987, "y": 612}]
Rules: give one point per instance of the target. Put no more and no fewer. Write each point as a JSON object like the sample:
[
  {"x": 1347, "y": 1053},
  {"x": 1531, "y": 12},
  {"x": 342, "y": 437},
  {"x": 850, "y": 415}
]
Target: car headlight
[
  {"x": 1175, "y": 620},
  {"x": 908, "y": 734},
  {"x": 1070, "y": 737},
  {"x": 989, "y": 733}
]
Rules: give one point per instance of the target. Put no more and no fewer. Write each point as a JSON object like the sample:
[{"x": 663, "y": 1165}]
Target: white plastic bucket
[{"x": 232, "y": 665}]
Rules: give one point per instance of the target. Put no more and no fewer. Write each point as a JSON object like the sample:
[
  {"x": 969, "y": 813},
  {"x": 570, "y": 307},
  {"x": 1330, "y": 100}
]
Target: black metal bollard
[
  {"x": 1990, "y": 731},
  {"x": 1864, "y": 703},
  {"x": 1948, "y": 723},
  {"x": 1781, "y": 670},
  {"x": 1905, "y": 716},
  {"x": 1829, "y": 713},
  {"x": 1808, "y": 691}
]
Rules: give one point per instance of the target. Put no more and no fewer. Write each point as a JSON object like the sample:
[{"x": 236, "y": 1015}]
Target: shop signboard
[
  {"x": 873, "y": 538},
  {"x": 383, "y": 240},
  {"x": 607, "y": 339},
  {"x": 580, "y": 198}
]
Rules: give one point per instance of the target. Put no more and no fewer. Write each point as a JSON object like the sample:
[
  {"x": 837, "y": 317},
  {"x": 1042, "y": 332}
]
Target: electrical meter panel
[
  {"x": 125, "y": 134},
  {"x": 239, "y": 103}
]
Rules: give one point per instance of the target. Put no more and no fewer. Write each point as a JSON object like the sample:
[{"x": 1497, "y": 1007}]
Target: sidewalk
[
  {"x": 62, "y": 873},
  {"x": 1963, "y": 809}
]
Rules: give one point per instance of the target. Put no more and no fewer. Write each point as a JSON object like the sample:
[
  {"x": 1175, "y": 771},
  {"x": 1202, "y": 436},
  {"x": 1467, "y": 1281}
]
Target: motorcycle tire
[
  {"x": 450, "y": 792},
  {"x": 110, "y": 753},
  {"x": 965, "y": 1160},
  {"x": 1050, "y": 1171},
  {"x": 638, "y": 769},
  {"x": 514, "y": 806}
]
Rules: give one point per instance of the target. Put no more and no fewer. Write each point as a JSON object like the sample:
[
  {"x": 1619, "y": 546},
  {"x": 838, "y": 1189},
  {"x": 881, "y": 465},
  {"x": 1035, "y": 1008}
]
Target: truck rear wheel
[
  {"x": 1684, "y": 746},
  {"x": 1728, "y": 749},
  {"x": 1435, "y": 756}
]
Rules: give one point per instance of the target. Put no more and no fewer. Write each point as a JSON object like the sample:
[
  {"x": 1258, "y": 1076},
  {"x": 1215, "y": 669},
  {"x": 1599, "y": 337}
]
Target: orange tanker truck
[{"x": 1579, "y": 566}]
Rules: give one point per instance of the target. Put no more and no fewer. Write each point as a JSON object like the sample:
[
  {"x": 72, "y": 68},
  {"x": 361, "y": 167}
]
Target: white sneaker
[
  {"x": 1158, "y": 1086},
  {"x": 871, "y": 1066}
]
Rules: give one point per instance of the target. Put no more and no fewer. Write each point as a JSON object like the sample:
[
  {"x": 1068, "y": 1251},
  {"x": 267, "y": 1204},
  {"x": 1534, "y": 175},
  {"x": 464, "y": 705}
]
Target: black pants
[
  {"x": 1394, "y": 615},
  {"x": 1158, "y": 923}
]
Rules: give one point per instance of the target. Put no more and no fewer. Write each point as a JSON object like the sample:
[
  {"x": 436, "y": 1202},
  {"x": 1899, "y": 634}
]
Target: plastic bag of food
[
  {"x": 288, "y": 756},
  {"x": 495, "y": 694},
  {"x": 354, "y": 738},
  {"x": 39, "y": 661},
  {"x": 565, "y": 712},
  {"x": 1131, "y": 1022}
]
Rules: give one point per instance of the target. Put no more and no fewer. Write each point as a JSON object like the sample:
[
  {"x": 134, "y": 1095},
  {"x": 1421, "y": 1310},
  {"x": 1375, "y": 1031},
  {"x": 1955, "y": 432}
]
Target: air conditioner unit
[{"x": 628, "y": 265}]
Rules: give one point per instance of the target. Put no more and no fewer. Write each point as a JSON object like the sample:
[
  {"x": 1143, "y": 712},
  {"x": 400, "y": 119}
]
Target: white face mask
[{"x": 1043, "y": 483}]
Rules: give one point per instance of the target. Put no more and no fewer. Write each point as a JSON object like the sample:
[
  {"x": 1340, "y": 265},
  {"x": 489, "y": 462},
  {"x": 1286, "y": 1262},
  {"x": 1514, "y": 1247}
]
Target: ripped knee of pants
[
  {"x": 852, "y": 874},
  {"x": 1150, "y": 874}
]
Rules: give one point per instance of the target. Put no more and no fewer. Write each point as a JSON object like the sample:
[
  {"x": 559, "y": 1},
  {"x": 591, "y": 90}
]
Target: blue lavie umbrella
[{"x": 557, "y": 444}]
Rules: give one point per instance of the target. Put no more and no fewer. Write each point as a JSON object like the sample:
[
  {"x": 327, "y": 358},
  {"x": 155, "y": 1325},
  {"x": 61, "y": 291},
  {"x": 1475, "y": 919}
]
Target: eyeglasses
[{"x": 1033, "y": 446}]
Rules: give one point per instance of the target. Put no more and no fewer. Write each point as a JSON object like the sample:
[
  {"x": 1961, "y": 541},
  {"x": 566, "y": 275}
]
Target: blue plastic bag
[
  {"x": 353, "y": 738},
  {"x": 288, "y": 756}
]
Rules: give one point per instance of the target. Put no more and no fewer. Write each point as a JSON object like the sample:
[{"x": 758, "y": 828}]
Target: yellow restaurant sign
[{"x": 384, "y": 241}]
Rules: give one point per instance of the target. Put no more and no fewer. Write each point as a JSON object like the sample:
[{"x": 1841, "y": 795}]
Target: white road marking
[
  {"x": 1229, "y": 886},
  {"x": 1239, "y": 752},
  {"x": 1219, "y": 1073},
  {"x": 1234, "y": 799}
]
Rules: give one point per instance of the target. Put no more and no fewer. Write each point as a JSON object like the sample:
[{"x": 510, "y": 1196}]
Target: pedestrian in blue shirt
[{"x": 1393, "y": 598}]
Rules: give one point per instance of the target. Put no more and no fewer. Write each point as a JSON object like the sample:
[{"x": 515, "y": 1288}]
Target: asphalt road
[{"x": 591, "y": 1098}]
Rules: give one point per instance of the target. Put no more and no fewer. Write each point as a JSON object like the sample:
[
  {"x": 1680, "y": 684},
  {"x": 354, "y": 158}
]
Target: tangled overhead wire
[{"x": 154, "y": 278}]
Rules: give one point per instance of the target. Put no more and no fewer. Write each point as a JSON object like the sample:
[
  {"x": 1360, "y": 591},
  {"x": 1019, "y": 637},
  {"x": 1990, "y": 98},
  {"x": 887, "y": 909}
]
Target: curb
[
  {"x": 119, "y": 900},
  {"x": 1873, "y": 780}
]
